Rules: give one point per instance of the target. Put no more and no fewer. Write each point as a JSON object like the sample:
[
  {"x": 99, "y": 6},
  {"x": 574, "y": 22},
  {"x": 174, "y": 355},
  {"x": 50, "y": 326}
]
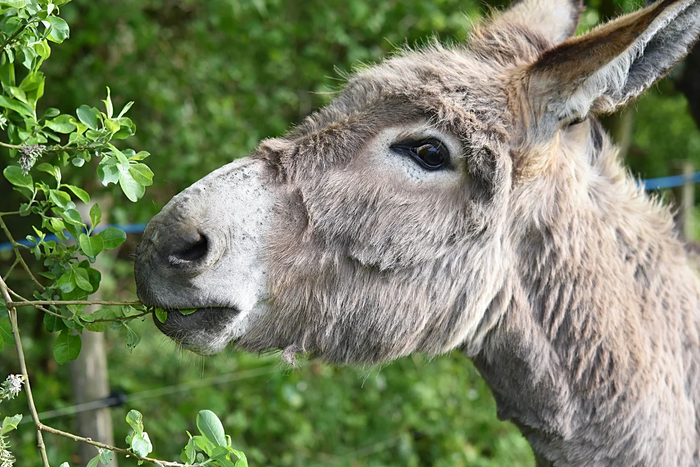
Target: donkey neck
[{"x": 593, "y": 356}]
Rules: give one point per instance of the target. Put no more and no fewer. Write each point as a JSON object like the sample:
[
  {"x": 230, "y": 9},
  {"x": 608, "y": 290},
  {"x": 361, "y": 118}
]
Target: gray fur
[{"x": 536, "y": 253}]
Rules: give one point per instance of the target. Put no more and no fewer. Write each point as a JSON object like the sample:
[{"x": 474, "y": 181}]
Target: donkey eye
[{"x": 430, "y": 154}]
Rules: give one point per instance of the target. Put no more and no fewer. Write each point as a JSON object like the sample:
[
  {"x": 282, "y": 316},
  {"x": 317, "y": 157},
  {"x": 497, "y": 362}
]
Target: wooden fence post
[
  {"x": 90, "y": 380},
  {"x": 685, "y": 197}
]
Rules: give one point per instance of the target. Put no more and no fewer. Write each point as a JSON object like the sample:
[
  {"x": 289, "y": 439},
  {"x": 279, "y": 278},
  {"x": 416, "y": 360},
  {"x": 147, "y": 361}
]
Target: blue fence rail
[
  {"x": 131, "y": 228},
  {"x": 669, "y": 182},
  {"x": 649, "y": 185}
]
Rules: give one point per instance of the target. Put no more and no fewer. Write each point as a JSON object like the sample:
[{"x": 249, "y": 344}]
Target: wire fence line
[{"x": 119, "y": 399}]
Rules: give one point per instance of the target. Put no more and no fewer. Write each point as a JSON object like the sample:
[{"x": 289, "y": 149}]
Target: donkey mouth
[{"x": 205, "y": 330}]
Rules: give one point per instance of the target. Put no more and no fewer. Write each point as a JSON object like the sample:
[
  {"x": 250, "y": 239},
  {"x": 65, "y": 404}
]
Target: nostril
[{"x": 191, "y": 252}]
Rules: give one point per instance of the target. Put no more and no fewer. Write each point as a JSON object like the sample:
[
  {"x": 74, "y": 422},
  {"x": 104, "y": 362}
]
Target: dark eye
[{"x": 430, "y": 153}]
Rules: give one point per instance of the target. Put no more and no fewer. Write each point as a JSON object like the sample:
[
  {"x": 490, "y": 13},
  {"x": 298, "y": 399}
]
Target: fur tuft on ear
[{"x": 602, "y": 70}]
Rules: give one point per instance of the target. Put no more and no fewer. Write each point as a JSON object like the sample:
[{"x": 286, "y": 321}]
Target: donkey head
[{"x": 392, "y": 220}]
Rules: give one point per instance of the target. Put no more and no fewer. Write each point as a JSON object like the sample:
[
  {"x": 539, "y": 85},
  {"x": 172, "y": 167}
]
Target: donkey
[{"x": 465, "y": 198}]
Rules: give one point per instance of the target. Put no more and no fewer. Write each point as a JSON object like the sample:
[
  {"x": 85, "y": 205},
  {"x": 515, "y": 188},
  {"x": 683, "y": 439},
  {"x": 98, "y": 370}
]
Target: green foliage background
[{"x": 210, "y": 79}]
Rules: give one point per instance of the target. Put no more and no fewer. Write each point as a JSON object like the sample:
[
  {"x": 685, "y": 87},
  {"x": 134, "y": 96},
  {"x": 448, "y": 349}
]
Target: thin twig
[
  {"x": 12, "y": 213},
  {"x": 121, "y": 318},
  {"x": 9, "y": 236},
  {"x": 23, "y": 367},
  {"x": 12, "y": 268},
  {"x": 65, "y": 434},
  {"x": 51, "y": 148},
  {"x": 35, "y": 304},
  {"x": 74, "y": 302}
]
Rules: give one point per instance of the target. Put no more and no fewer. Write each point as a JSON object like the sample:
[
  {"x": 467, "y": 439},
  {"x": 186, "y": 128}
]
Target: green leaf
[
  {"x": 141, "y": 155},
  {"x": 91, "y": 246},
  {"x": 10, "y": 423},
  {"x": 126, "y": 128},
  {"x": 87, "y": 116},
  {"x": 42, "y": 49},
  {"x": 71, "y": 216},
  {"x": 29, "y": 56},
  {"x": 33, "y": 6},
  {"x": 142, "y": 174},
  {"x": 53, "y": 323},
  {"x": 121, "y": 158},
  {"x": 132, "y": 338},
  {"x": 66, "y": 347},
  {"x": 66, "y": 283},
  {"x": 79, "y": 130},
  {"x": 188, "y": 311},
  {"x": 94, "y": 462},
  {"x": 141, "y": 444},
  {"x": 82, "y": 280},
  {"x": 59, "y": 29},
  {"x": 107, "y": 171},
  {"x": 161, "y": 315},
  {"x": 61, "y": 124},
  {"x": 106, "y": 456},
  {"x": 211, "y": 428},
  {"x": 51, "y": 169},
  {"x": 125, "y": 109},
  {"x": 57, "y": 226},
  {"x": 60, "y": 198},
  {"x": 79, "y": 192},
  {"x": 65, "y": 464},
  {"x": 33, "y": 86},
  {"x": 135, "y": 420},
  {"x": 242, "y": 460},
  {"x": 108, "y": 104},
  {"x": 94, "y": 327},
  {"x": 95, "y": 216},
  {"x": 189, "y": 452},
  {"x": 7, "y": 73},
  {"x": 20, "y": 107},
  {"x": 112, "y": 237},
  {"x": 94, "y": 274},
  {"x": 51, "y": 112},
  {"x": 14, "y": 175},
  {"x": 112, "y": 126},
  {"x": 6, "y": 331},
  {"x": 203, "y": 444},
  {"x": 131, "y": 188},
  {"x": 18, "y": 94},
  {"x": 74, "y": 229}
]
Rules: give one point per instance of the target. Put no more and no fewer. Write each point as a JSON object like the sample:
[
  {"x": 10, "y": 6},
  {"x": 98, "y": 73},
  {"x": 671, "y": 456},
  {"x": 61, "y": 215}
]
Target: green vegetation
[{"x": 209, "y": 80}]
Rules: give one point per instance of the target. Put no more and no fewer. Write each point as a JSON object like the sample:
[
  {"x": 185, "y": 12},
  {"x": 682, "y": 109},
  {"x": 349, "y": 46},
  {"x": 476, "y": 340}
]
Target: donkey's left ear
[{"x": 599, "y": 71}]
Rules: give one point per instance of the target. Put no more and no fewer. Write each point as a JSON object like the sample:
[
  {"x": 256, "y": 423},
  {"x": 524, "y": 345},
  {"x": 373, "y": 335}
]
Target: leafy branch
[{"x": 45, "y": 146}]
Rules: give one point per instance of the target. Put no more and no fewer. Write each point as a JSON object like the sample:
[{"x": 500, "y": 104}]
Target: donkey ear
[
  {"x": 599, "y": 71},
  {"x": 555, "y": 20}
]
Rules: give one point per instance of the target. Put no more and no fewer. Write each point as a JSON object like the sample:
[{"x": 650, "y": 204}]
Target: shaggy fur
[{"x": 535, "y": 252}]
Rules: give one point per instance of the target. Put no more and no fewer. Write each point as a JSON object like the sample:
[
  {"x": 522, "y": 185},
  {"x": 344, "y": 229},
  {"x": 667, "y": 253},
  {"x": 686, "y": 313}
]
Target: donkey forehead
[{"x": 452, "y": 88}]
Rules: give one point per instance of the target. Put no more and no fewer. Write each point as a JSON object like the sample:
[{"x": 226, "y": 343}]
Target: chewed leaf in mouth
[{"x": 162, "y": 315}]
